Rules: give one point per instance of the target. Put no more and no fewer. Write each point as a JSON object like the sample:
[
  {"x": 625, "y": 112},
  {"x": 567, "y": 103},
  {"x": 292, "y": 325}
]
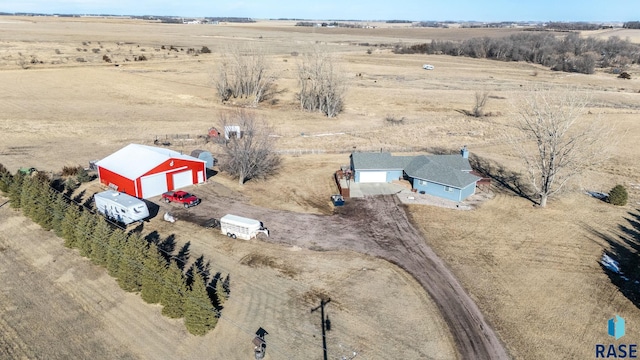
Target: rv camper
[
  {"x": 236, "y": 226},
  {"x": 121, "y": 207}
]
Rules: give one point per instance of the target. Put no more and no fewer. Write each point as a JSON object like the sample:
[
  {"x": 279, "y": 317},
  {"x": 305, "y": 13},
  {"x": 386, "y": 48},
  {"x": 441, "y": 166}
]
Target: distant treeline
[
  {"x": 332, "y": 24},
  {"x": 632, "y": 25},
  {"x": 574, "y": 26},
  {"x": 399, "y": 21},
  {"x": 570, "y": 53}
]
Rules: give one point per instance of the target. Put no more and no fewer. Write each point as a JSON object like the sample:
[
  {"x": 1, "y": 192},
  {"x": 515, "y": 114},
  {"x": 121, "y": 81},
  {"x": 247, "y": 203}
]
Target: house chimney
[{"x": 464, "y": 152}]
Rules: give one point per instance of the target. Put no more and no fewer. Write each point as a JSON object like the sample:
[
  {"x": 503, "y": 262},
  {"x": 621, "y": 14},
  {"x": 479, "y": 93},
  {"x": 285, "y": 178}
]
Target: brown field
[{"x": 533, "y": 272}]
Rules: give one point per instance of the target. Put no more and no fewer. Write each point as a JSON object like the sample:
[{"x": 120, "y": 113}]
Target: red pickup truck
[{"x": 181, "y": 197}]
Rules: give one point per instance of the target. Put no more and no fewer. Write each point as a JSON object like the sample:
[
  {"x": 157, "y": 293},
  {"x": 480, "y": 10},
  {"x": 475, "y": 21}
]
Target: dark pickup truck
[{"x": 181, "y": 197}]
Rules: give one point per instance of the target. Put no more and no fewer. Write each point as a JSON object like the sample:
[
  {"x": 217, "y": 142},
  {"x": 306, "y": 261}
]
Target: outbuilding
[
  {"x": 204, "y": 155},
  {"x": 146, "y": 171}
]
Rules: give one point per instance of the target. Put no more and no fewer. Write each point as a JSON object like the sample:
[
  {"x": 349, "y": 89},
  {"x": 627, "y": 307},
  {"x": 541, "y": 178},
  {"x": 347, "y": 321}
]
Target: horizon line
[{"x": 73, "y": 14}]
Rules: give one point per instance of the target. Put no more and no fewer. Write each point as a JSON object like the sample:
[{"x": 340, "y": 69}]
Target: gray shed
[{"x": 204, "y": 155}]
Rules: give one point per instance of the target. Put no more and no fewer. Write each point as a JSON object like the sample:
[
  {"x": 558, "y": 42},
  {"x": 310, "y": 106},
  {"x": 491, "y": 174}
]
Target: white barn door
[
  {"x": 182, "y": 179},
  {"x": 153, "y": 185}
]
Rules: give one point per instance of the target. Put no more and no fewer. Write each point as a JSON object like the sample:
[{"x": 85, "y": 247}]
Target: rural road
[{"x": 379, "y": 227}]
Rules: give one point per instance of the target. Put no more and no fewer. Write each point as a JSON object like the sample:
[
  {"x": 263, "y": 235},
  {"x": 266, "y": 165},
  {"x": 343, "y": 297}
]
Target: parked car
[{"x": 181, "y": 197}]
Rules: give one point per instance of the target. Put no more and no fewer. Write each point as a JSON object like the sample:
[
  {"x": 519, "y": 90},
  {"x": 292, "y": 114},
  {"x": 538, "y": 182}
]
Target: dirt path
[{"x": 376, "y": 226}]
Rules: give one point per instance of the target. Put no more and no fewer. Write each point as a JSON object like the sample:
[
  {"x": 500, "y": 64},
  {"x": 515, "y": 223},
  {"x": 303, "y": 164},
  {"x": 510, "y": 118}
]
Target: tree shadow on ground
[
  {"x": 625, "y": 250},
  {"x": 507, "y": 179},
  {"x": 183, "y": 255},
  {"x": 78, "y": 198},
  {"x": 201, "y": 267},
  {"x": 212, "y": 290},
  {"x": 167, "y": 247}
]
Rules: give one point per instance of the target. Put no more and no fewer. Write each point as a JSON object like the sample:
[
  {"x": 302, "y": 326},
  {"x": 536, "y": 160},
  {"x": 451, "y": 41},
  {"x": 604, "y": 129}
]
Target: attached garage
[
  {"x": 373, "y": 176},
  {"x": 146, "y": 171}
]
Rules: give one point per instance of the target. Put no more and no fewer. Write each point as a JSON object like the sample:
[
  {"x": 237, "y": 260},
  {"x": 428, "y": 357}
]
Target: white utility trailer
[
  {"x": 244, "y": 228},
  {"x": 120, "y": 207}
]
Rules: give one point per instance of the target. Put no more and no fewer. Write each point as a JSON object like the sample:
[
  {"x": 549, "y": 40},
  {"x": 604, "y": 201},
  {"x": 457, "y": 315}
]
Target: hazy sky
[{"x": 481, "y": 10}]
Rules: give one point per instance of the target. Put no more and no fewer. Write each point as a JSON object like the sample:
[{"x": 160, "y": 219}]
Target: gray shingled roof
[
  {"x": 376, "y": 161},
  {"x": 450, "y": 170}
]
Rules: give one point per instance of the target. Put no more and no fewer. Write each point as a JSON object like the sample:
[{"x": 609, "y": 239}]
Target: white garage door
[
  {"x": 182, "y": 179},
  {"x": 153, "y": 185},
  {"x": 373, "y": 176}
]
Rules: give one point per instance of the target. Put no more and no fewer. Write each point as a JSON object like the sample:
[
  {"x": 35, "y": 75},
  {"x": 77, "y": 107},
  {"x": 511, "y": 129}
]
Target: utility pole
[{"x": 324, "y": 337}]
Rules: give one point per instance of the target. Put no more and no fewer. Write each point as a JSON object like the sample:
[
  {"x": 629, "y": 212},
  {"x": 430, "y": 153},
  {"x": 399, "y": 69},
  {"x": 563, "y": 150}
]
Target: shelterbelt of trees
[{"x": 569, "y": 52}]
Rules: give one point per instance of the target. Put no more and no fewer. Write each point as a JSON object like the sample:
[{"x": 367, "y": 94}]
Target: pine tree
[
  {"x": 100, "y": 242},
  {"x": 117, "y": 243},
  {"x": 221, "y": 293},
  {"x": 173, "y": 292},
  {"x": 153, "y": 274},
  {"x": 42, "y": 212},
  {"x": 130, "y": 268},
  {"x": 28, "y": 195},
  {"x": 199, "y": 314},
  {"x": 84, "y": 233},
  {"x": 69, "y": 224},
  {"x": 58, "y": 210},
  {"x": 15, "y": 189},
  {"x": 5, "y": 179}
]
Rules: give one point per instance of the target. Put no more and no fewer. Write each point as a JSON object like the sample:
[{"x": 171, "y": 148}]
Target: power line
[
  {"x": 163, "y": 281},
  {"x": 249, "y": 283}
]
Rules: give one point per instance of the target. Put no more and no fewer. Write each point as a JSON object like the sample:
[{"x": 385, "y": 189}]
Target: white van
[
  {"x": 120, "y": 207},
  {"x": 240, "y": 227}
]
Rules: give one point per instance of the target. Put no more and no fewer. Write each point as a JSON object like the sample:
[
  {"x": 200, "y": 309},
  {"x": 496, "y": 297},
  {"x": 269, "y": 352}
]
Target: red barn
[{"x": 146, "y": 171}]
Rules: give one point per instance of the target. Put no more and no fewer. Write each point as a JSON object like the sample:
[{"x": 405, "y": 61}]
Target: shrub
[
  {"x": 83, "y": 176},
  {"x": 618, "y": 196},
  {"x": 205, "y": 50},
  {"x": 70, "y": 170},
  {"x": 71, "y": 185}
]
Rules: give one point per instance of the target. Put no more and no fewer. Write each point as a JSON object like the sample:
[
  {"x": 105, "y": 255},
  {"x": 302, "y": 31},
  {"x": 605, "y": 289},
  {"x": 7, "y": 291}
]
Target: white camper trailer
[
  {"x": 121, "y": 207},
  {"x": 236, "y": 226}
]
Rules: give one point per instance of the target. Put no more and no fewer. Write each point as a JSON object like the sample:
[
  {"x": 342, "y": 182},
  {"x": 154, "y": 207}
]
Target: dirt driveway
[{"x": 376, "y": 226}]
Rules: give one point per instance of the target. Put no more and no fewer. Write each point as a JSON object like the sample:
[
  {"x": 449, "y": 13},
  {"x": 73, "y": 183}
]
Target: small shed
[{"x": 204, "y": 155}]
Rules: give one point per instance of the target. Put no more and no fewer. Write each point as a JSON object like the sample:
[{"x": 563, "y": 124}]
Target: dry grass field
[{"x": 533, "y": 272}]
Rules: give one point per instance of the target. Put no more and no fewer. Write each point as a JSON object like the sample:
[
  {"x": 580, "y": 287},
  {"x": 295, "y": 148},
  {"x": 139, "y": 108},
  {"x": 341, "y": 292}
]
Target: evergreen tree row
[{"x": 137, "y": 265}]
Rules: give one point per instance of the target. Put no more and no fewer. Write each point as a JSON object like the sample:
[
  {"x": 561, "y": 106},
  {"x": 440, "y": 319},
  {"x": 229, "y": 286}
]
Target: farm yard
[{"x": 533, "y": 273}]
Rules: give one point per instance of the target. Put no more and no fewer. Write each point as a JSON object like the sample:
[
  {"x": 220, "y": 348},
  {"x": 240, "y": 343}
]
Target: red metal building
[{"x": 146, "y": 171}]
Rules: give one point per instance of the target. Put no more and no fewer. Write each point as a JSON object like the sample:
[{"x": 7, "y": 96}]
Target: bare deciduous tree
[
  {"x": 250, "y": 153},
  {"x": 555, "y": 140},
  {"x": 244, "y": 73},
  {"x": 322, "y": 85},
  {"x": 481, "y": 101}
]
